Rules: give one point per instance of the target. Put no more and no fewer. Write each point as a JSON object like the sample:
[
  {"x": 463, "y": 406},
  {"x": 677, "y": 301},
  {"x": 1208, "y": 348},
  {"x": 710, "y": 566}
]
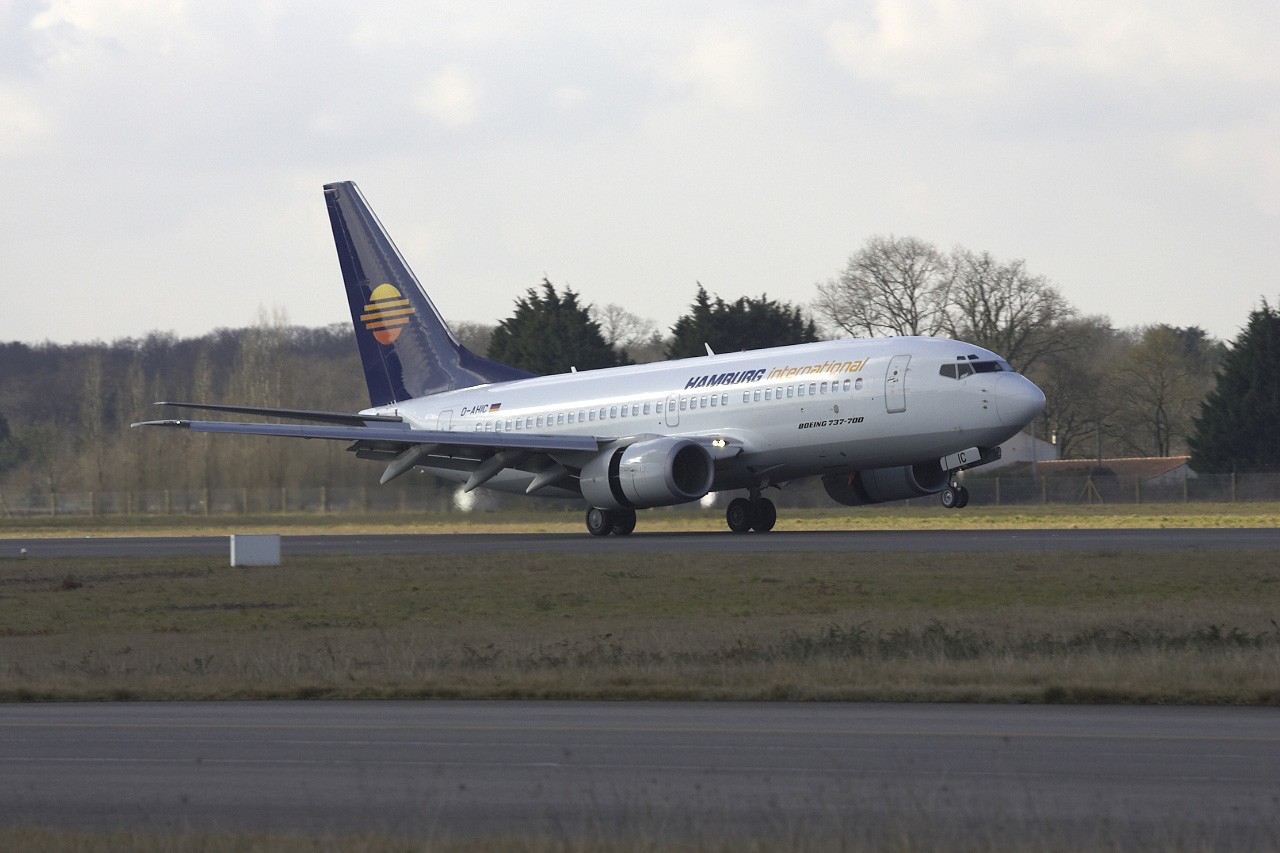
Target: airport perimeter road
[
  {"x": 1128, "y": 539},
  {"x": 1084, "y": 775}
]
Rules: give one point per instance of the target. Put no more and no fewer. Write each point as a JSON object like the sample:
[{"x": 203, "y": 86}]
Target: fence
[{"x": 424, "y": 498}]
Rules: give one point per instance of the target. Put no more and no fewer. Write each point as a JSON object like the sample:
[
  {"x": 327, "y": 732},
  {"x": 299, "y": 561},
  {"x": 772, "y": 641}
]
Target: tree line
[{"x": 1157, "y": 390}]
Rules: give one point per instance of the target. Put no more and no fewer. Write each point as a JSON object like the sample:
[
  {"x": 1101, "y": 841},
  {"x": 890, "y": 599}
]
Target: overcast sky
[{"x": 164, "y": 159}]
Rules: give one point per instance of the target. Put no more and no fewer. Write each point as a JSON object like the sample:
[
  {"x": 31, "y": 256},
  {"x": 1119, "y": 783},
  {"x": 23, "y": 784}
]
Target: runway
[
  {"x": 704, "y": 771},
  {"x": 937, "y": 541}
]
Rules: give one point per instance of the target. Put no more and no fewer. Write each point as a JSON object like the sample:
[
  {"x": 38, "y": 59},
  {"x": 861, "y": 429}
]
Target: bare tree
[
  {"x": 893, "y": 285},
  {"x": 1079, "y": 403},
  {"x": 473, "y": 336},
  {"x": 1164, "y": 374},
  {"x": 634, "y": 336},
  {"x": 1006, "y": 309}
]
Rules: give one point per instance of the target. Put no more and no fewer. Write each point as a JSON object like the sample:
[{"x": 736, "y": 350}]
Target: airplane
[{"x": 878, "y": 419}]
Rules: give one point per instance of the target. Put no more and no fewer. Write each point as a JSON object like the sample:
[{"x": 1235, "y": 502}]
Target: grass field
[
  {"x": 929, "y": 516},
  {"x": 1034, "y": 627}
]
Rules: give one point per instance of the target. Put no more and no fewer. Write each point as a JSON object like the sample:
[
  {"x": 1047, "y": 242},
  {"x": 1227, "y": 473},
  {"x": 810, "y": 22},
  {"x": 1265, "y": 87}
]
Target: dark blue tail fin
[{"x": 407, "y": 349}]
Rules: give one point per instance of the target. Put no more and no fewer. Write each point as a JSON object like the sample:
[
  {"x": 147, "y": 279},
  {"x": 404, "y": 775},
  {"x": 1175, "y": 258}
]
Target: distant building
[
  {"x": 1022, "y": 448},
  {"x": 1151, "y": 470}
]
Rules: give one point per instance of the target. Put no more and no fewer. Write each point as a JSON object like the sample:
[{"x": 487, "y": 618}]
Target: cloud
[{"x": 452, "y": 97}]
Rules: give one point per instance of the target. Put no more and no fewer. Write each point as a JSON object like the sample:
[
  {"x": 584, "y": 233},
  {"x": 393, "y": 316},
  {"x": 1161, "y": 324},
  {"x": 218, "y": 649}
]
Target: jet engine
[
  {"x": 878, "y": 485},
  {"x": 658, "y": 472}
]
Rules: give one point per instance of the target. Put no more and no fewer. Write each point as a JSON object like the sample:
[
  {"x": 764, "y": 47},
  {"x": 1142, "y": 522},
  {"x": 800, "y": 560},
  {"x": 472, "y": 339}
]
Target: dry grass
[
  {"x": 1184, "y": 627},
  {"x": 682, "y": 519}
]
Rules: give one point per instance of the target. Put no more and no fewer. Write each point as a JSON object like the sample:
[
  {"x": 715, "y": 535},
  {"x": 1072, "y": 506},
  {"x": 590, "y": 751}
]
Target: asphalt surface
[
  {"x": 1149, "y": 776},
  {"x": 1114, "y": 540}
]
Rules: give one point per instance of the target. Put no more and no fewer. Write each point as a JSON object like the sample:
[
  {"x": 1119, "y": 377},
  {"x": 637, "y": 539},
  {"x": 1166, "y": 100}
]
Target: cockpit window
[{"x": 961, "y": 369}]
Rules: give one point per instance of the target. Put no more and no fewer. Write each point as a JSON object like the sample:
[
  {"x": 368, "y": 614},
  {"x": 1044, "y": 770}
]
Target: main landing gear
[
  {"x": 754, "y": 513},
  {"x": 602, "y": 522},
  {"x": 955, "y": 496}
]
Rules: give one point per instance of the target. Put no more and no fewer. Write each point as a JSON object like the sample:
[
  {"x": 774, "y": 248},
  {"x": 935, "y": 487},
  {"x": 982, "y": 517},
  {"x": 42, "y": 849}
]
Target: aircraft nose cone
[{"x": 1018, "y": 400}]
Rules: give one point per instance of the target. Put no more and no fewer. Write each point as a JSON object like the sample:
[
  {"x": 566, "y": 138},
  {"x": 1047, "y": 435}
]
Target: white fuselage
[{"x": 793, "y": 411}]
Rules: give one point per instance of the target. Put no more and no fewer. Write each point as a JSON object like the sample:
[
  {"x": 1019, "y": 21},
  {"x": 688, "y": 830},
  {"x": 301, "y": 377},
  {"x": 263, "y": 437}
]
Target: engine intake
[
  {"x": 659, "y": 472},
  {"x": 879, "y": 485}
]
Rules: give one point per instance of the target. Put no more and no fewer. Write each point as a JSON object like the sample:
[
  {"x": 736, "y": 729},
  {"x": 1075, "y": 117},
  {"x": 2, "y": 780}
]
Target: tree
[
  {"x": 1162, "y": 376},
  {"x": 1078, "y": 395},
  {"x": 891, "y": 286},
  {"x": 1237, "y": 425},
  {"x": 550, "y": 333},
  {"x": 636, "y": 337},
  {"x": 1006, "y": 309},
  {"x": 740, "y": 325}
]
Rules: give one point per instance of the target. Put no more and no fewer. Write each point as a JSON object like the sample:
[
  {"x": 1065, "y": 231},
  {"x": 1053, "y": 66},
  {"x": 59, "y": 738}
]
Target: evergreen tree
[
  {"x": 741, "y": 325},
  {"x": 551, "y": 333},
  {"x": 1237, "y": 427}
]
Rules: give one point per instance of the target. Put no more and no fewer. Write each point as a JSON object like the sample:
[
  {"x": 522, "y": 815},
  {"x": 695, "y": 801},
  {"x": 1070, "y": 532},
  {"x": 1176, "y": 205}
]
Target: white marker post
[{"x": 255, "y": 549}]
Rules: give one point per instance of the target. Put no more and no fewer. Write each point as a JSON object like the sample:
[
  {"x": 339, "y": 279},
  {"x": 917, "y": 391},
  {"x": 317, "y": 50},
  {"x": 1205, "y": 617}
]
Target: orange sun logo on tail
[{"x": 387, "y": 314}]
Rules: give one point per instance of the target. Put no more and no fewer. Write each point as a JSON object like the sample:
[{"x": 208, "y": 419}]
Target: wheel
[
  {"x": 599, "y": 521},
  {"x": 949, "y": 498},
  {"x": 962, "y": 499},
  {"x": 766, "y": 515},
  {"x": 624, "y": 521},
  {"x": 739, "y": 515}
]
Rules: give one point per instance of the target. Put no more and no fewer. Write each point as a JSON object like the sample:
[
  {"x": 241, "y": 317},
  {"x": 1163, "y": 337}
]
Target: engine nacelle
[
  {"x": 659, "y": 472},
  {"x": 886, "y": 484}
]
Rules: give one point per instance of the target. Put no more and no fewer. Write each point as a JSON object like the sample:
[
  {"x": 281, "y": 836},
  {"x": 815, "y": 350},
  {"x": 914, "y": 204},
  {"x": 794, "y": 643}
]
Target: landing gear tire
[
  {"x": 624, "y": 521},
  {"x": 766, "y": 515},
  {"x": 955, "y": 497},
  {"x": 600, "y": 522},
  {"x": 739, "y": 515}
]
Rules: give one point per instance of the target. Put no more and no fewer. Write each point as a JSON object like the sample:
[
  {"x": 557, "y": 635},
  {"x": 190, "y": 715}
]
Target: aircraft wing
[
  {"x": 401, "y": 435},
  {"x": 482, "y": 455}
]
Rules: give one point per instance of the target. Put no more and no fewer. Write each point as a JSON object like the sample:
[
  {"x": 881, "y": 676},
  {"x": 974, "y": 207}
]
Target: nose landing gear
[{"x": 955, "y": 496}]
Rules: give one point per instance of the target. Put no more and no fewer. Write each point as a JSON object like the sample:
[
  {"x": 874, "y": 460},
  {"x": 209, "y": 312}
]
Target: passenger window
[
  {"x": 593, "y": 414},
  {"x": 541, "y": 421},
  {"x": 800, "y": 391},
  {"x": 703, "y": 404},
  {"x": 613, "y": 411},
  {"x": 724, "y": 399},
  {"x": 582, "y": 417},
  {"x": 791, "y": 391},
  {"x": 823, "y": 387},
  {"x": 571, "y": 418},
  {"x": 559, "y": 418},
  {"x": 519, "y": 423},
  {"x": 813, "y": 389},
  {"x": 624, "y": 411},
  {"x": 646, "y": 407},
  {"x": 713, "y": 400},
  {"x": 602, "y": 413},
  {"x": 746, "y": 396},
  {"x": 847, "y": 385},
  {"x": 508, "y": 427},
  {"x": 768, "y": 394},
  {"x": 857, "y": 384},
  {"x": 684, "y": 404},
  {"x": 756, "y": 396}
]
